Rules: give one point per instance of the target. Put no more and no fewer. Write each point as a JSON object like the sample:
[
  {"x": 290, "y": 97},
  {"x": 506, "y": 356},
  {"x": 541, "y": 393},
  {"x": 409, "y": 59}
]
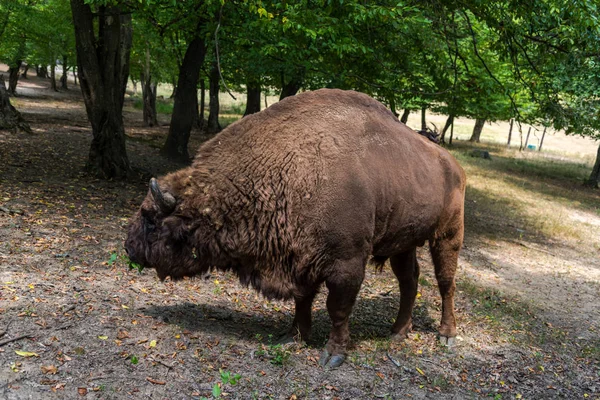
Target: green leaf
[
  {"x": 26, "y": 353},
  {"x": 216, "y": 391}
]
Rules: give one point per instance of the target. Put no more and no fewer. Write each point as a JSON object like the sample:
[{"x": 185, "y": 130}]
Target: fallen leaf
[
  {"x": 26, "y": 353},
  {"x": 82, "y": 391},
  {"x": 49, "y": 369},
  {"x": 152, "y": 344},
  {"x": 156, "y": 382},
  {"x": 102, "y": 337},
  {"x": 420, "y": 371}
]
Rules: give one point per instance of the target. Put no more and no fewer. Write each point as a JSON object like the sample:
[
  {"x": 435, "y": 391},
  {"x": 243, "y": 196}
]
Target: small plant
[
  {"x": 134, "y": 360},
  {"x": 114, "y": 257},
  {"x": 277, "y": 353},
  {"x": 227, "y": 378}
]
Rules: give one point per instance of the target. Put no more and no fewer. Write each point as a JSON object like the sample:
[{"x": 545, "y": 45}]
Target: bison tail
[{"x": 379, "y": 262}]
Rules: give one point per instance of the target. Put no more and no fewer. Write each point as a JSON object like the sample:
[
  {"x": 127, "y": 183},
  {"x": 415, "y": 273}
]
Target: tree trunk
[
  {"x": 201, "y": 120},
  {"x": 594, "y": 179},
  {"x": 451, "y": 133},
  {"x": 10, "y": 118},
  {"x": 291, "y": 88},
  {"x": 148, "y": 92},
  {"x": 423, "y": 120},
  {"x": 103, "y": 65},
  {"x": 184, "y": 108},
  {"x": 13, "y": 77},
  {"x": 42, "y": 72},
  {"x": 75, "y": 74},
  {"x": 213, "y": 125},
  {"x": 149, "y": 100},
  {"x": 479, "y": 123},
  {"x": 542, "y": 140},
  {"x": 25, "y": 71},
  {"x": 527, "y": 138},
  {"x": 65, "y": 75},
  {"x": 253, "y": 98},
  {"x": 53, "y": 77},
  {"x": 512, "y": 120},
  {"x": 449, "y": 122},
  {"x": 174, "y": 83},
  {"x": 405, "y": 114},
  {"x": 392, "y": 102}
]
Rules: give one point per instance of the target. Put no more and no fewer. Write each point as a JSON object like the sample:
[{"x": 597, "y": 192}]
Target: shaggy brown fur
[{"x": 302, "y": 194}]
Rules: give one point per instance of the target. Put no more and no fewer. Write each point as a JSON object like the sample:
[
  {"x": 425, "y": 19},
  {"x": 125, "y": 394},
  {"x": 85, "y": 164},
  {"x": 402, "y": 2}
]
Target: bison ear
[{"x": 164, "y": 200}]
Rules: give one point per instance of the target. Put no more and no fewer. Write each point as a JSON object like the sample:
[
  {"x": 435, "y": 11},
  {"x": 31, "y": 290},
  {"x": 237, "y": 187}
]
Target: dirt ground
[{"x": 76, "y": 323}]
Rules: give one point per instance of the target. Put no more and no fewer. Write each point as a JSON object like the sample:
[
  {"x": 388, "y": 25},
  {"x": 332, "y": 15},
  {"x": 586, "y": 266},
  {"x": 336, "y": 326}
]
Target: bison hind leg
[
  {"x": 406, "y": 269},
  {"x": 444, "y": 253}
]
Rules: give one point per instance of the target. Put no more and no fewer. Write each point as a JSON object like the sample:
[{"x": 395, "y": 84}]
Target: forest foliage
[{"x": 536, "y": 61}]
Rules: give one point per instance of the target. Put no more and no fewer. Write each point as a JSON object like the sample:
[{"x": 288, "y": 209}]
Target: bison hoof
[
  {"x": 331, "y": 362},
  {"x": 447, "y": 341}
]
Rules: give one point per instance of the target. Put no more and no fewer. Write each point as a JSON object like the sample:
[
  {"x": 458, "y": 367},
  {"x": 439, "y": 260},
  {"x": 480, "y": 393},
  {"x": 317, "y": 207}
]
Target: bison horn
[{"x": 164, "y": 200}]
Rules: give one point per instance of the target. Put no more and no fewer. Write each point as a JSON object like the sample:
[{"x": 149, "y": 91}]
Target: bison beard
[{"x": 302, "y": 194}]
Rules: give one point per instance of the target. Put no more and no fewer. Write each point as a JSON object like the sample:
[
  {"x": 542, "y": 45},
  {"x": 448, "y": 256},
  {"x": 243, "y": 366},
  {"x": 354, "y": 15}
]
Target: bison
[{"x": 302, "y": 194}]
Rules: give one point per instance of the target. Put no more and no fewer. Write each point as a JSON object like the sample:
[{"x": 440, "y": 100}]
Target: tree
[
  {"x": 185, "y": 109},
  {"x": 103, "y": 67},
  {"x": 10, "y": 118}
]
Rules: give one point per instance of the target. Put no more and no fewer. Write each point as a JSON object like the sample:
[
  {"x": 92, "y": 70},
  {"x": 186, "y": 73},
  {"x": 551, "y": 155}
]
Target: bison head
[{"x": 162, "y": 236}]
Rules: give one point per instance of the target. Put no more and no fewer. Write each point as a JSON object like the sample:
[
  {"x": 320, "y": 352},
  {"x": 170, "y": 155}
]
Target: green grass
[{"x": 163, "y": 106}]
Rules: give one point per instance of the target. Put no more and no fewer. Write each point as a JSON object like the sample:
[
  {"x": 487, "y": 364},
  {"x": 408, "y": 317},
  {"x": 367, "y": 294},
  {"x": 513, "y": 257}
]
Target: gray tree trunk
[
  {"x": 185, "y": 110},
  {"x": 213, "y": 125},
  {"x": 594, "y": 179},
  {"x": 479, "y": 123},
  {"x": 103, "y": 65},
  {"x": 405, "y": 115},
  {"x": 10, "y": 118}
]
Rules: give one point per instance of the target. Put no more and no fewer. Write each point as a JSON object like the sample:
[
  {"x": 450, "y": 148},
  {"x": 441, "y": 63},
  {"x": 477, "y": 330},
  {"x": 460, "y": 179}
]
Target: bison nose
[{"x": 130, "y": 255}]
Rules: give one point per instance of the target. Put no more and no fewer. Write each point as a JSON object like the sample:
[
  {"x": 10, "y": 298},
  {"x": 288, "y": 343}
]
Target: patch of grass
[
  {"x": 277, "y": 353},
  {"x": 163, "y": 106},
  {"x": 528, "y": 195}
]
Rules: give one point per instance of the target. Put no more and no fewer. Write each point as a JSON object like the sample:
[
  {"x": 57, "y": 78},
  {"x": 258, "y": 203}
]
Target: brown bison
[{"x": 302, "y": 194}]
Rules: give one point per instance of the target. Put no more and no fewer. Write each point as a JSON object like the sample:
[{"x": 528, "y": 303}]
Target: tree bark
[
  {"x": 10, "y": 118},
  {"x": 405, "y": 114},
  {"x": 527, "y": 138},
  {"x": 512, "y": 120},
  {"x": 184, "y": 108},
  {"x": 174, "y": 92},
  {"x": 213, "y": 125},
  {"x": 253, "y": 98},
  {"x": 53, "y": 77},
  {"x": 542, "y": 140},
  {"x": 594, "y": 179},
  {"x": 65, "y": 74},
  {"x": 479, "y": 123},
  {"x": 25, "y": 71},
  {"x": 13, "y": 77},
  {"x": 103, "y": 65},
  {"x": 423, "y": 119},
  {"x": 42, "y": 71},
  {"x": 201, "y": 120},
  {"x": 392, "y": 102},
  {"x": 149, "y": 101},
  {"x": 449, "y": 122},
  {"x": 148, "y": 93},
  {"x": 292, "y": 86}
]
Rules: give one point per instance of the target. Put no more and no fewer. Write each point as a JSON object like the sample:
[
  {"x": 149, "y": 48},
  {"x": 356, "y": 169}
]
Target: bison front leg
[
  {"x": 302, "y": 324},
  {"x": 444, "y": 253},
  {"x": 406, "y": 269},
  {"x": 343, "y": 285}
]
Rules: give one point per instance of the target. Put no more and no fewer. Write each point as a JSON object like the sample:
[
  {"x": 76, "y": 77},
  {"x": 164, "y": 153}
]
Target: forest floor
[{"x": 75, "y": 322}]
